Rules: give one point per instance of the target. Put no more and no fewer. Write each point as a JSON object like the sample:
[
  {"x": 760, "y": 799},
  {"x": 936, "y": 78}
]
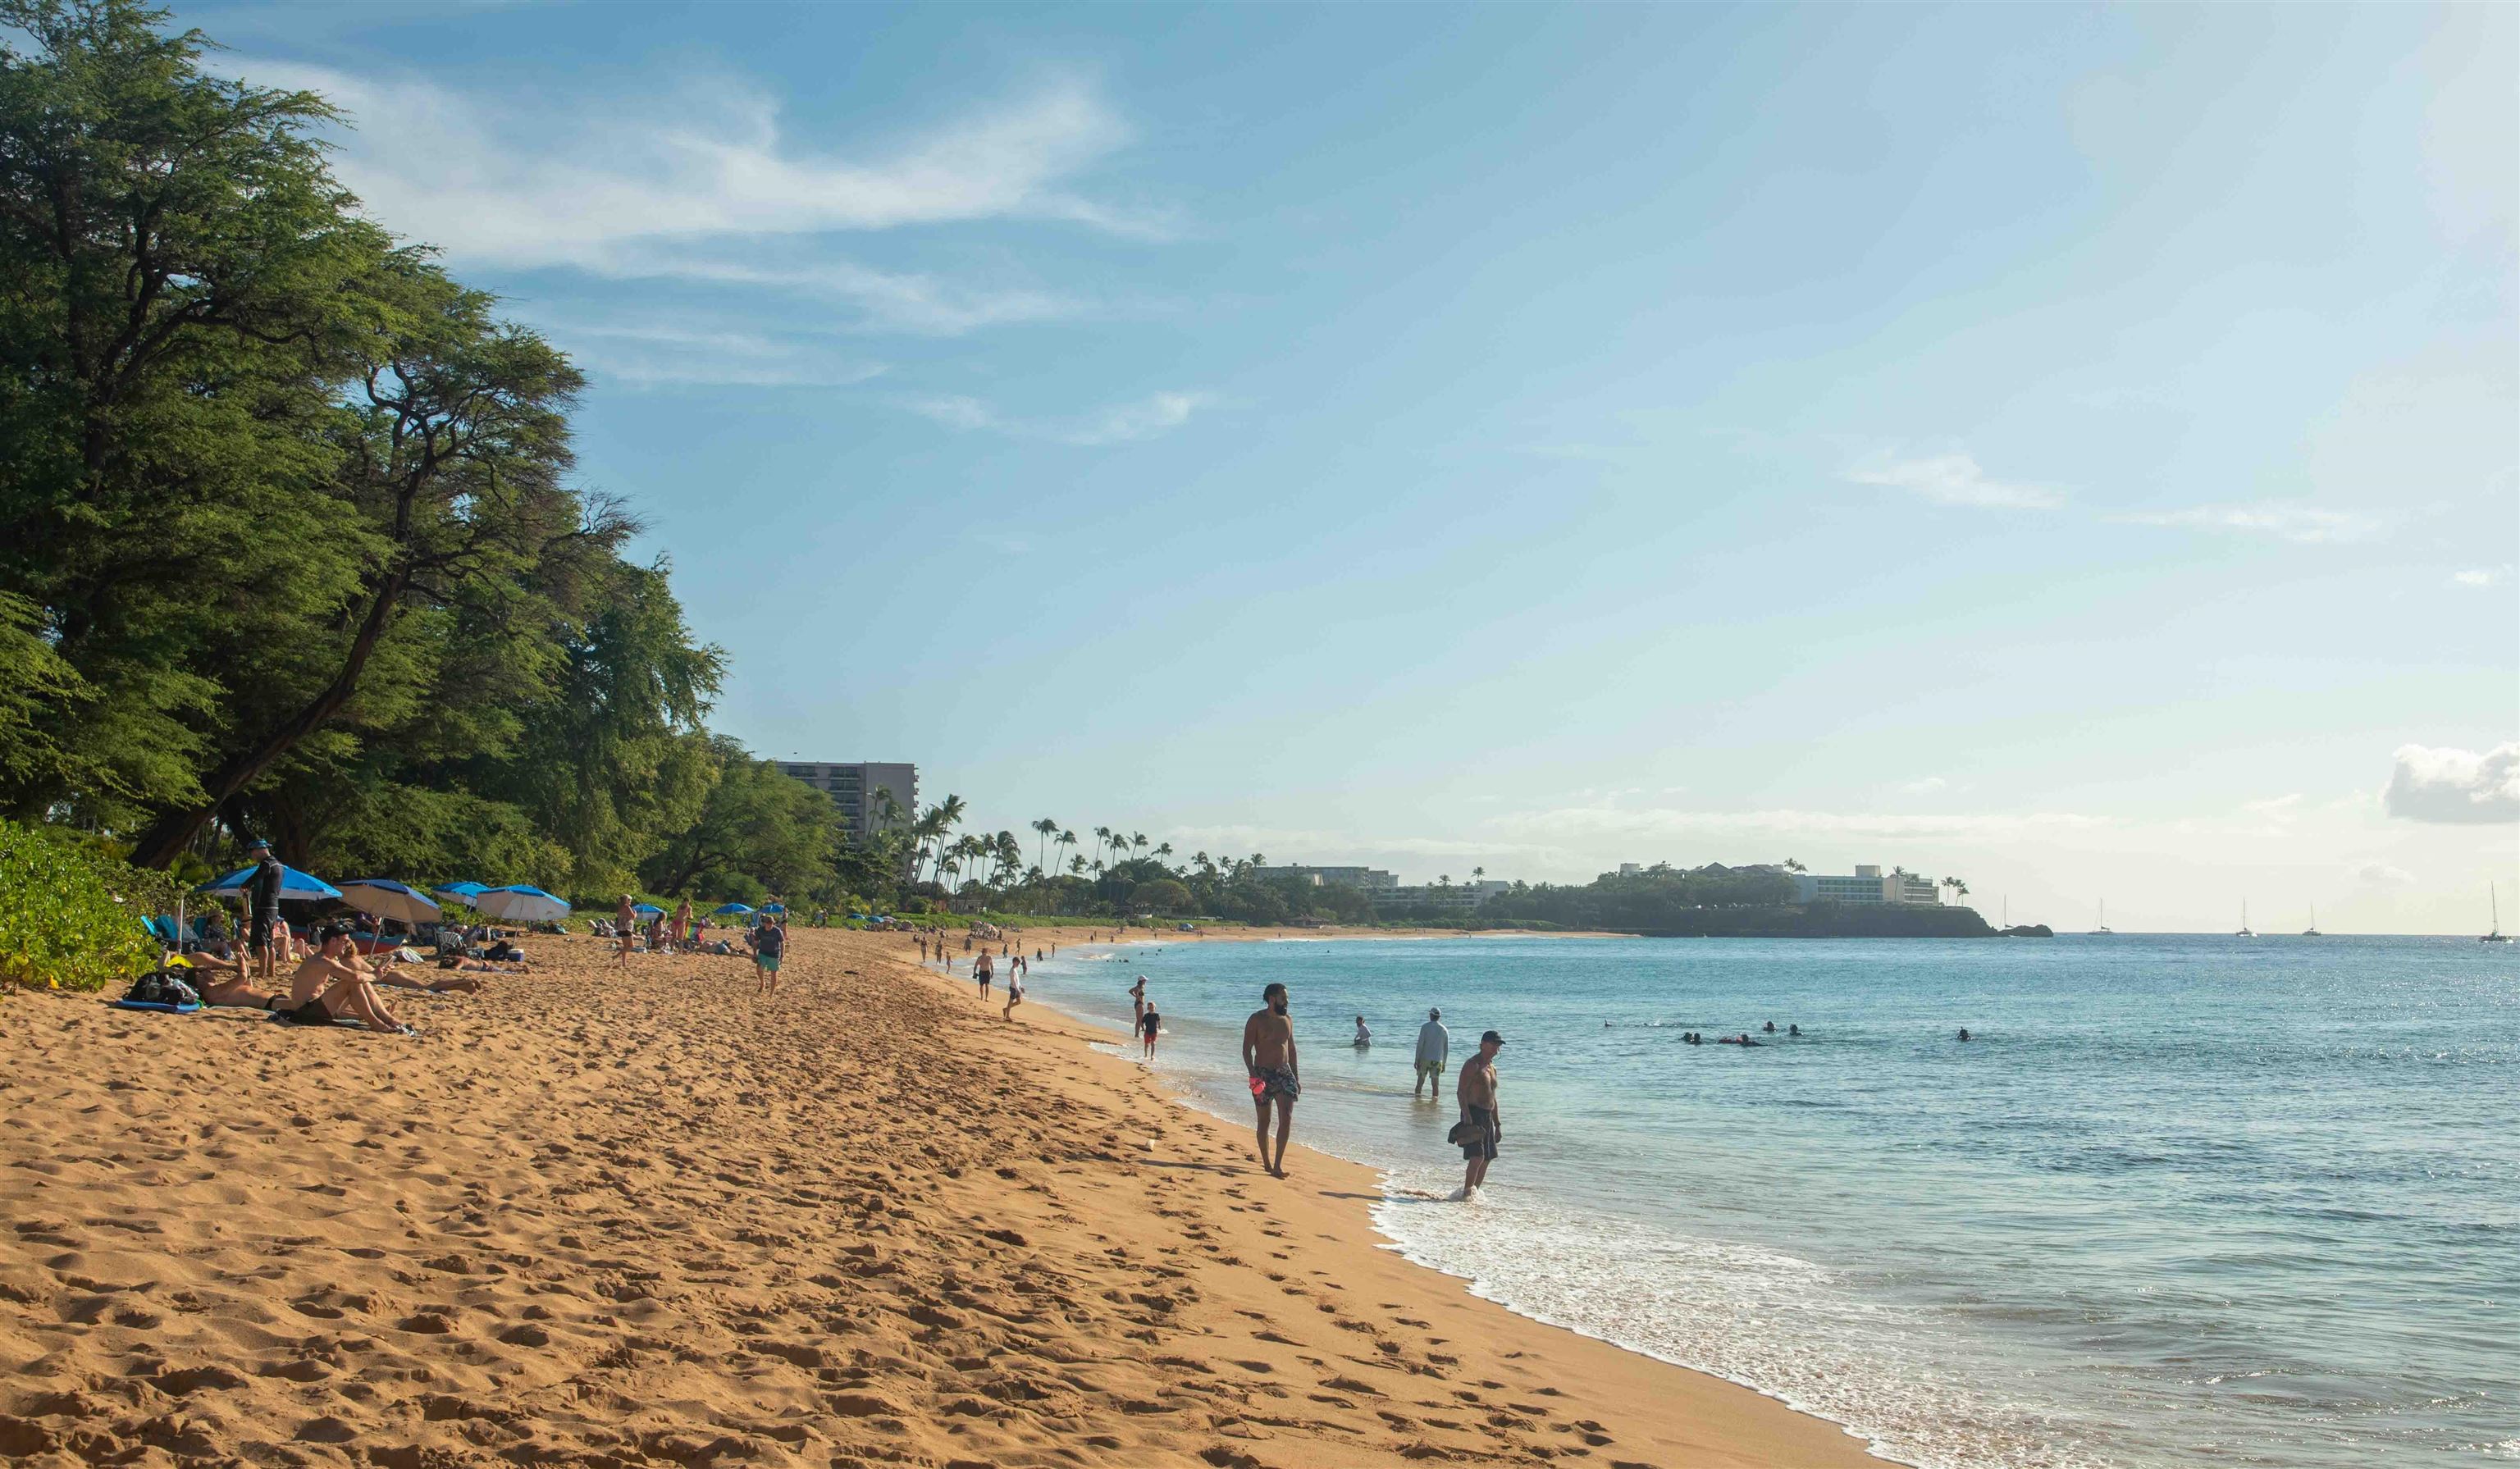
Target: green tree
[{"x": 757, "y": 820}]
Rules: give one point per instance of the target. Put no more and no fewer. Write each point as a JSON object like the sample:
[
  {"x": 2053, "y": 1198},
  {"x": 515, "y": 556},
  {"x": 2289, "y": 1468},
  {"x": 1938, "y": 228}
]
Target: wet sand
[{"x": 650, "y": 1220}]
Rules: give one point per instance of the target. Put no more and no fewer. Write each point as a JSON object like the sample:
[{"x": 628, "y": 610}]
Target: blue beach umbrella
[
  {"x": 647, "y": 907},
  {"x": 723, "y": 909},
  {"x": 523, "y": 903},
  {"x": 774, "y": 907},
  {"x": 294, "y": 887},
  {"x": 385, "y": 898},
  {"x": 461, "y": 892}
]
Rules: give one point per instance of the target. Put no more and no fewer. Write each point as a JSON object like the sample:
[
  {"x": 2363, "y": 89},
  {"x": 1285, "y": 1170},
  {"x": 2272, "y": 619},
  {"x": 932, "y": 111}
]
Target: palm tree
[
  {"x": 1792, "y": 865},
  {"x": 1047, "y": 828},
  {"x": 1138, "y": 841},
  {"x": 1077, "y": 865},
  {"x": 1199, "y": 861},
  {"x": 1164, "y": 851},
  {"x": 1444, "y": 879},
  {"x": 1064, "y": 840},
  {"x": 1476, "y": 874}
]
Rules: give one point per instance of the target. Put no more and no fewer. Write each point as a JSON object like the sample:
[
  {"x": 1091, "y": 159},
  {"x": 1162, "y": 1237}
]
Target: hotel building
[{"x": 852, "y": 786}]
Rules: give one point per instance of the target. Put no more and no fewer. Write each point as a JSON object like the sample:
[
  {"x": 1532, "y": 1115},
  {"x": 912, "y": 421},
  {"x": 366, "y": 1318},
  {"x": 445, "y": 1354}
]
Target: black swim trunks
[{"x": 1479, "y": 1139}]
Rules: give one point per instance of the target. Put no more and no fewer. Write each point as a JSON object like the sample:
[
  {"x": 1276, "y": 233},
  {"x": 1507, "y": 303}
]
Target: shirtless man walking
[
  {"x": 1269, "y": 1056},
  {"x": 1480, "y": 1129}
]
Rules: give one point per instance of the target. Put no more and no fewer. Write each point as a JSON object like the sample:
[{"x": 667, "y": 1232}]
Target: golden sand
[{"x": 649, "y": 1220}]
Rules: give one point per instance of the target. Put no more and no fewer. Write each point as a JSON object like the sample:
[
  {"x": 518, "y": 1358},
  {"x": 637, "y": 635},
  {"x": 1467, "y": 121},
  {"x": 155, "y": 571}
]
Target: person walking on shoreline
[
  {"x": 1480, "y": 1129},
  {"x": 1434, "y": 1053},
  {"x": 1149, "y": 1026},
  {"x": 1138, "y": 1001},
  {"x": 1269, "y": 1057},
  {"x": 984, "y": 969}
]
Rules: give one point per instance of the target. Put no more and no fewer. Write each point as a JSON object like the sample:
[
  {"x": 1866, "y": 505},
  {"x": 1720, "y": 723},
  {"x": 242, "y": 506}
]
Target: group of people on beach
[
  {"x": 1270, "y": 1061},
  {"x": 683, "y": 931}
]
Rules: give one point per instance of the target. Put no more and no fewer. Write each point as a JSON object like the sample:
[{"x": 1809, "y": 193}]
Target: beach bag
[{"x": 161, "y": 987}]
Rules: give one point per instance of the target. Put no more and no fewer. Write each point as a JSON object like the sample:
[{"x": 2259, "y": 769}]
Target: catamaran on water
[
  {"x": 2101, "y": 925},
  {"x": 2493, "y": 935},
  {"x": 2246, "y": 932}
]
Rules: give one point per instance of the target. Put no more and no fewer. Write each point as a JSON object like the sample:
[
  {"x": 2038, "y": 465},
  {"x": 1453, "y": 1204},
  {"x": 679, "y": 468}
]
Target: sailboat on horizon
[
  {"x": 2311, "y": 932},
  {"x": 2246, "y": 932},
  {"x": 2101, "y": 926},
  {"x": 2496, "y": 935}
]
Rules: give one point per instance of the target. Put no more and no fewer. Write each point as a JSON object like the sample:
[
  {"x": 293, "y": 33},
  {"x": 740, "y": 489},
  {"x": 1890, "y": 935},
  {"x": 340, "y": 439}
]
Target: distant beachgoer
[
  {"x": 769, "y": 948},
  {"x": 1269, "y": 1058},
  {"x": 1014, "y": 993},
  {"x": 1482, "y": 1125},
  {"x": 223, "y": 981},
  {"x": 681, "y": 922},
  {"x": 262, "y": 900},
  {"x": 1434, "y": 1052},
  {"x": 1149, "y": 1025},
  {"x": 625, "y": 928},
  {"x": 984, "y": 969},
  {"x": 1138, "y": 998},
  {"x": 1364, "y": 1036},
  {"x": 1793, "y": 1030},
  {"x": 1964, "y": 1035},
  {"x": 967, "y": 941},
  {"x": 1770, "y": 1027}
]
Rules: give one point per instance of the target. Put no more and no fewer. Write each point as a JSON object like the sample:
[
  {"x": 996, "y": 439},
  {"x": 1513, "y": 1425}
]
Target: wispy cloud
[
  {"x": 1953, "y": 479},
  {"x": 1923, "y": 785},
  {"x": 657, "y": 354},
  {"x": 2483, "y": 576},
  {"x": 2383, "y": 874},
  {"x": 710, "y": 183},
  {"x": 1119, "y": 424},
  {"x": 2304, "y": 524},
  {"x": 1586, "y": 826}
]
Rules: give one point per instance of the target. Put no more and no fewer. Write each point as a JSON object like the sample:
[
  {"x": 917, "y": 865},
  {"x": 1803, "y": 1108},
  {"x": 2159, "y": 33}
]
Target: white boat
[
  {"x": 2246, "y": 932},
  {"x": 2311, "y": 932},
  {"x": 2102, "y": 925},
  {"x": 2496, "y": 935}
]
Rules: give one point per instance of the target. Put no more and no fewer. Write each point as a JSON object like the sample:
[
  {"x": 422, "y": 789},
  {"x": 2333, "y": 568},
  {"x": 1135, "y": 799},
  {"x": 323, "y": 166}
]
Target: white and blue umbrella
[
  {"x": 461, "y": 892},
  {"x": 774, "y": 907},
  {"x": 294, "y": 887},
  {"x": 523, "y": 903},
  {"x": 723, "y": 909},
  {"x": 385, "y": 898},
  {"x": 647, "y": 907}
]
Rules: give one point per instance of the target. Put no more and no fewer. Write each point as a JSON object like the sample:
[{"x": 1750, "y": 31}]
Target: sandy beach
[{"x": 646, "y": 1220}]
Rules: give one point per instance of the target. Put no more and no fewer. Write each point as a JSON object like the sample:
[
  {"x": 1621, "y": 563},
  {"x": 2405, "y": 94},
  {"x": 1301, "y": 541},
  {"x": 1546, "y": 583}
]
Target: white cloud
[
  {"x": 1953, "y": 479},
  {"x": 1120, "y": 424},
  {"x": 1127, "y": 422},
  {"x": 2485, "y": 576},
  {"x": 708, "y": 183},
  {"x": 1925, "y": 786},
  {"x": 657, "y": 354},
  {"x": 2306, "y": 524},
  {"x": 2278, "y": 808},
  {"x": 2383, "y": 874},
  {"x": 2454, "y": 787}
]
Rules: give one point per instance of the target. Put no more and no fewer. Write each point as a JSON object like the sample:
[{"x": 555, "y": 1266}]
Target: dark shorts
[
  {"x": 1481, "y": 1140},
  {"x": 260, "y": 936},
  {"x": 1280, "y": 1082}
]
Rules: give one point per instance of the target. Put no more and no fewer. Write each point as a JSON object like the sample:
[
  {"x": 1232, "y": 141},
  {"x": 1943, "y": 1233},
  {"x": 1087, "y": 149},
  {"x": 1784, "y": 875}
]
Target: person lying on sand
[
  {"x": 329, "y": 983},
  {"x": 220, "y": 980}
]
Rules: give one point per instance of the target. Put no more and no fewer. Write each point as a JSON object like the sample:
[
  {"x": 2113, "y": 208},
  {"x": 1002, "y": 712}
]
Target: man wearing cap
[
  {"x": 262, "y": 898},
  {"x": 1434, "y": 1050},
  {"x": 1481, "y": 1129}
]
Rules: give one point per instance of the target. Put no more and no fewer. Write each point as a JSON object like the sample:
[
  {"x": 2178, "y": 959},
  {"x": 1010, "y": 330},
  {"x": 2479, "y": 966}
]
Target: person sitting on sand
[
  {"x": 1149, "y": 1026},
  {"x": 328, "y": 985},
  {"x": 1269, "y": 1057}
]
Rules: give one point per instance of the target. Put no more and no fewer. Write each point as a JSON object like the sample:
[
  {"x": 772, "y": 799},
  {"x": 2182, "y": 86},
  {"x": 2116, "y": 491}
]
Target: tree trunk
[{"x": 167, "y": 837}]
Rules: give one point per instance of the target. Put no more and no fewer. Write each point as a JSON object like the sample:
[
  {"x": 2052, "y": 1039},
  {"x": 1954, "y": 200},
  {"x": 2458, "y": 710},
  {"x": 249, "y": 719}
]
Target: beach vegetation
[{"x": 71, "y": 913}]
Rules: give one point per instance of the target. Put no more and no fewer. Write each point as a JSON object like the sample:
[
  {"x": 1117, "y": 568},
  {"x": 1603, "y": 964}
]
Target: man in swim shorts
[
  {"x": 1481, "y": 1129},
  {"x": 1269, "y": 1057},
  {"x": 1434, "y": 1052},
  {"x": 770, "y": 946}
]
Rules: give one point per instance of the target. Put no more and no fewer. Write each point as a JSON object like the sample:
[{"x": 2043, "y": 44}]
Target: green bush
[{"x": 69, "y": 917}]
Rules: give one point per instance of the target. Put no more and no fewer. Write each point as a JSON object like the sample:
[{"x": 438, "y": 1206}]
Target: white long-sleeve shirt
[{"x": 1435, "y": 1042}]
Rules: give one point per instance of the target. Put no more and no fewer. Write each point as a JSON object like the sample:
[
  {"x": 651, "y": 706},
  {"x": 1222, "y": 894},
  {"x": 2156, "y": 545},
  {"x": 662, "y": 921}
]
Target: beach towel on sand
[{"x": 160, "y": 1006}]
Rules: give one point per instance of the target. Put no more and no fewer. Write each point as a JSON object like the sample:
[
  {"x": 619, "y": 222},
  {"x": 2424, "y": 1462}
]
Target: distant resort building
[
  {"x": 1387, "y": 891},
  {"x": 852, "y": 785},
  {"x": 1869, "y": 885},
  {"x": 1372, "y": 879}
]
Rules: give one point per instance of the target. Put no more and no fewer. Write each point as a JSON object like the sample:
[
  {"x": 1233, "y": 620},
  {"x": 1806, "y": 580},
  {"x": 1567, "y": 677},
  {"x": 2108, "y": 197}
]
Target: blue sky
[{"x": 2076, "y": 450}]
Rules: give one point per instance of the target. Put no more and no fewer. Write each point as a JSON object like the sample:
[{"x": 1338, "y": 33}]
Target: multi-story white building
[
  {"x": 1460, "y": 897},
  {"x": 1372, "y": 879},
  {"x": 1869, "y": 884},
  {"x": 852, "y": 786}
]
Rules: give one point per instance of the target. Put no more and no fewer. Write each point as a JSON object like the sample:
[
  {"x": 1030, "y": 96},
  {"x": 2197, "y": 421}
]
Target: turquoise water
[{"x": 2185, "y": 1201}]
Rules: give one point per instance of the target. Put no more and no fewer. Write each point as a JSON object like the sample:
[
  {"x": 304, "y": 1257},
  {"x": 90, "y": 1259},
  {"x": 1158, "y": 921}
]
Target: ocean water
[{"x": 2183, "y": 1201}]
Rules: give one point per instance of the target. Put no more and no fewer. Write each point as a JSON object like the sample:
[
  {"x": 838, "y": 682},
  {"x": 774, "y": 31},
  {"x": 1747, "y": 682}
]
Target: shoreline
[{"x": 645, "y": 1220}]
